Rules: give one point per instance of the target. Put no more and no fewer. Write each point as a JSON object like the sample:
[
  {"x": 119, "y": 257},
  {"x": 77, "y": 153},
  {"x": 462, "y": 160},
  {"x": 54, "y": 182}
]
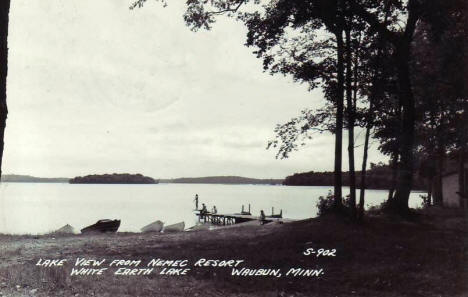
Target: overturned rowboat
[
  {"x": 102, "y": 226},
  {"x": 178, "y": 227},
  {"x": 156, "y": 226},
  {"x": 67, "y": 229}
]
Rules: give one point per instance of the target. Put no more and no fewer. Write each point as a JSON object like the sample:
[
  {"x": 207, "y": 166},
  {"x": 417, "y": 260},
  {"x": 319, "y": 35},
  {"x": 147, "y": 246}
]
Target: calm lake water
[{"x": 36, "y": 208}]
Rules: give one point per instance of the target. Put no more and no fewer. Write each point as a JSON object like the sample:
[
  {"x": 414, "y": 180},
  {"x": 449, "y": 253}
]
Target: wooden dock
[
  {"x": 231, "y": 219},
  {"x": 224, "y": 219}
]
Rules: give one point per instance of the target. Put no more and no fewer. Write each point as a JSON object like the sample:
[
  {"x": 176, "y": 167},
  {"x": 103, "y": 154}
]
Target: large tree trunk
[
  {"x": 350, "y": 114},
  {"x": 399, "y": 203},
  {"x": 439, "y": 157},
  {"x": 438, "y": 193},
  {"x": 403, "y": 54},
  {"x": 461, "y": 177},
  {"x": 430, "y": 180},
  {"x": 364, "y": 170},
  {"x": 339, "y": 121},
  {"x": 4, "y": 14},
  {"x": 376, "y": 91},
  {"x": 360, "y": 211},
  {"x": 393, "y": 180}
]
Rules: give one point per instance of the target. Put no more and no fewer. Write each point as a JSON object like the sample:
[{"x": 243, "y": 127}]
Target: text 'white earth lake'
[{"x": 36, "y": 208}]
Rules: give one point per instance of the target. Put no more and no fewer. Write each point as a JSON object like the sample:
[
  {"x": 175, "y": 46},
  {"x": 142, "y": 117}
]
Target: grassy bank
[{"x": 382, "y": 257}]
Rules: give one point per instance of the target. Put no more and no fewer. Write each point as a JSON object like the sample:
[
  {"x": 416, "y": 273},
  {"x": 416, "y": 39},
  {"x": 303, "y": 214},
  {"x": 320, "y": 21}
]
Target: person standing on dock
[
  {"x": 214, "y": 210},
  {"x": 196, "y": 201},
  {"x": 262, "y": 217}
]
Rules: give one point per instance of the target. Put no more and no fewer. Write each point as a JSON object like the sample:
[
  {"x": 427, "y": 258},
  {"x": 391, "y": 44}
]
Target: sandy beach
[{"x": 382, "y": 257}]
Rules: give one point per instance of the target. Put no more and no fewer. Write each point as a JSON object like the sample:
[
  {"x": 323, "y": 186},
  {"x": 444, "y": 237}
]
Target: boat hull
[
  {"x": 102, "y": 226},
  {"x": 153, "y": 227},
  {"x": 174, "y": 228},
  {"x": 67, "y": 229}
]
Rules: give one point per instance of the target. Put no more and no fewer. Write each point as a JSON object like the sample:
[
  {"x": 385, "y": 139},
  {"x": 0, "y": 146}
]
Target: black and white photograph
[{"x": 231, "y": 148}]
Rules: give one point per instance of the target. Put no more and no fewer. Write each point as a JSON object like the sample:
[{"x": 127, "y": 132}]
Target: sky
[{"x": 94, "y": 87}]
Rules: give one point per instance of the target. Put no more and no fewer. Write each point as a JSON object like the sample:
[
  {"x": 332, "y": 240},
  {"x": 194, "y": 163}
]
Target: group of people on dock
[{"x": 204, "y": 209}]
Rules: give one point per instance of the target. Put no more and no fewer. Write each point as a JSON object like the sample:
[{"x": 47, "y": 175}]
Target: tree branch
[
  {"x": 229, "y": 9},
  {"x": 373, "y": 21},
  {"x": 413, "y": 17}
]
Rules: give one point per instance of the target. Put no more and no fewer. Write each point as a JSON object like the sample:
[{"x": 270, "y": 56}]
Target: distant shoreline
[
  {"x": 228, "y": 180},
  {"x": 17, "y": 178},
  {"x": 294, "y": 180}
]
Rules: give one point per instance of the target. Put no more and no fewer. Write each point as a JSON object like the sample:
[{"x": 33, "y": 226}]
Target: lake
[{"x": 37, "y": 208}]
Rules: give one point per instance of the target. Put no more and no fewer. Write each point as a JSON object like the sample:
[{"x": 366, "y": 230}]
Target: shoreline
[
  {"x": 378, "y": 256},
  {"x": 190, "y": 183}
]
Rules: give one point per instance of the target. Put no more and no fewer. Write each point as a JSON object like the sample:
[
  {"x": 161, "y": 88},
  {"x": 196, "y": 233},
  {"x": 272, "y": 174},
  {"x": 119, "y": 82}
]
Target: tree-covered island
[{"x": 115, "y": 178}]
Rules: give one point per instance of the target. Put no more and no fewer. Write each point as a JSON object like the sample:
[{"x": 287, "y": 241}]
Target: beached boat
[
  {"x": 153, "y": 227},
  {"x": 105, "y": 225},
  {"x": 67, "y": 229},
  {"x": 174, "y": 227}
]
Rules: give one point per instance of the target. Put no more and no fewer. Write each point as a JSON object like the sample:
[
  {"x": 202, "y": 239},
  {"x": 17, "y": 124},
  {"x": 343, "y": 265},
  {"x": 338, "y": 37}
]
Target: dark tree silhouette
[
  {"x": 4, "y": 19},
  {"x": 440, "y": 92}
]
